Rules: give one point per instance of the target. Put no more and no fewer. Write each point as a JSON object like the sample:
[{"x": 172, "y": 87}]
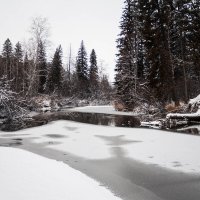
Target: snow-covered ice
[
  {"x": 101, "y": 109},
  {"x": 173, "y": 151},
  {"x": 27, "y": 176}
]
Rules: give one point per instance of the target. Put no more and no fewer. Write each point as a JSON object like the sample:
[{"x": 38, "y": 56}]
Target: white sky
[{"x": 95, "y": 22}]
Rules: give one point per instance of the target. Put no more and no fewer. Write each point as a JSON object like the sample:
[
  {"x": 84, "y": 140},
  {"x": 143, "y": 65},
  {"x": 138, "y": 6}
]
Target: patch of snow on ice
[{"x": 26, "y": 175}]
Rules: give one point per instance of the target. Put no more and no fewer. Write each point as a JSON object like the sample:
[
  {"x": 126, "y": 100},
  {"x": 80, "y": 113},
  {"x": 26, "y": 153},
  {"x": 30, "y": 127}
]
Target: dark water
[
  {"x": 98, "y": 119},
  {"x": 122, "y": 121},
  {"x": 90, "y": 118},
  {"x": 105, "y": 119}
]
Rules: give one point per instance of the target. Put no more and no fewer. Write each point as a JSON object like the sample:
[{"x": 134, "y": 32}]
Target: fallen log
[{"x": 187, "y": 116}]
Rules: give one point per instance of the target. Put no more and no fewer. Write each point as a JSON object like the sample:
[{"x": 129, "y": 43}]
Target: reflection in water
[
  {"x": 90, "y": 118},
  {"x": 191, "y": 131},
  {"x": 104, "y": 119},
  {"x": 127, "y": 121}
]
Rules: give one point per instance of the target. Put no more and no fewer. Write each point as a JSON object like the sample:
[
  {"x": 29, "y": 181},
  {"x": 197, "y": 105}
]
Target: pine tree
[
  {"x": 82, "y": 72},
  {"x": 18, "y": 52},
  {"x": 126, "y": 79},
  {"x": 93, "y": 74},
  {"x": 54, "y": 83},
  {"x": 7, "y": 55},
  {"x": 18, "y": 67}
]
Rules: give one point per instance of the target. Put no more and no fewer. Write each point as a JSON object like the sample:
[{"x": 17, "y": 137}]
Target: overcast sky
[{"x": 95, "y": 22}]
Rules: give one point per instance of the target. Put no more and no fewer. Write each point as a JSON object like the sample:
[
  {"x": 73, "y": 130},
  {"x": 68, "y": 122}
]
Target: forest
[
  {"x": 158, "y": 60},
  {"x": 26, "y": 74}
]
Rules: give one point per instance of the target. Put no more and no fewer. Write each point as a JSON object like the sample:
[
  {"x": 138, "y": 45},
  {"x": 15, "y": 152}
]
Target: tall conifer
[{"x": 82, "y": 72}]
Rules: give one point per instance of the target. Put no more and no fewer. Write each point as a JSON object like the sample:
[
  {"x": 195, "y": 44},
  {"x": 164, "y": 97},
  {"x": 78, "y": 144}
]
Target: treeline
[
  {"x": 158, "y": 56},
  {"x": 30, "y": 74}
]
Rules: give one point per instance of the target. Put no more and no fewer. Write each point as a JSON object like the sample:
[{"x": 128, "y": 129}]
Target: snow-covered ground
[
  {"x": 101, "y": 109},
  {"x": 24, "y": 175},
  {"x": 173, "y": 151}
]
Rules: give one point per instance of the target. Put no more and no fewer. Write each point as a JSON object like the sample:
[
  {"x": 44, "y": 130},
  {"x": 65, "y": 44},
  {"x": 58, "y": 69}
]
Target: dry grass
[
  {"x": 171, "y": 107},
  {"x": 119, "y": 106}
]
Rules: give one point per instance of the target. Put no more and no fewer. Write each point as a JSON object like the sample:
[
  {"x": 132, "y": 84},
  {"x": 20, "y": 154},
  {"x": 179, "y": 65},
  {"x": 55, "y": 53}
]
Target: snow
[
  {"x": 193, "y": 103},
  {"x": 25, "y": 175},
  {"x": 185, "y": 115},
  {"x": 46, "y": 103},
  {"x": 173, "y": 151},
  {"x": 152, "y": 124},
  {"x": 101, "y": 109},
  {"x": 195, "y": 100}
]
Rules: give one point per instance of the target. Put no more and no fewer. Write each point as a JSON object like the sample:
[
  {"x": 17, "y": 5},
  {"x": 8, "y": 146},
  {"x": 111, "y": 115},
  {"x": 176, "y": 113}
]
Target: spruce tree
[
  {"x": 18, "y": 67},
  {"x": 7, "y": 55},
  {"x": 54, "y": 83},
  {"x": 82, "y": 72},
  {"x": 93, "y": 74},
  {"x": 18, "y": 54},
  {"x": 7, "y": 49},
  {"x": 126, "y": 80},
  {"x": 157, "y": 19}
]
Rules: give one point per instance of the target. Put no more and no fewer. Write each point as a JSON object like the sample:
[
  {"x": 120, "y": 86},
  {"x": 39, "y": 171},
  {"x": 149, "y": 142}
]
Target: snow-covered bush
[
  {"x": 194, "y": 104},
  {"x": 10, "y": 108}
]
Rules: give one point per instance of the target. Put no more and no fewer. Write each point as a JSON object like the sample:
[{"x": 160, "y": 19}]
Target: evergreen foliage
[
  {"x": 93, "y": 74},
  {"x": 82, "y": 72},
  {"x": 126, "y": 68},
  {"x": 55, "y": 77},
  {"x": 7, "y": 55},
  {"x": 158, "y": 47},
  {"x": 18, "y": 68},
  {"x": 18, "y": 54}
]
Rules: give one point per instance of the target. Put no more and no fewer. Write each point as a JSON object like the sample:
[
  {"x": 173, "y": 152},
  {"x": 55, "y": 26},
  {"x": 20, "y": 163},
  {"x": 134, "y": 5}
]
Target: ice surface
[
  {"x": 97, "y": 142},
  {"x": 26, "y": 175}
]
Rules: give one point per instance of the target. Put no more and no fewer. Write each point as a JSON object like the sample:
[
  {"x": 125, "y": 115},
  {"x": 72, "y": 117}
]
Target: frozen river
[{"x": 134, "y": 163}]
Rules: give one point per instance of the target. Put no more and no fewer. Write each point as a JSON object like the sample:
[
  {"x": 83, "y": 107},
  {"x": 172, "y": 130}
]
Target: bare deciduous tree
[{"x": 39, "y": 35}]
